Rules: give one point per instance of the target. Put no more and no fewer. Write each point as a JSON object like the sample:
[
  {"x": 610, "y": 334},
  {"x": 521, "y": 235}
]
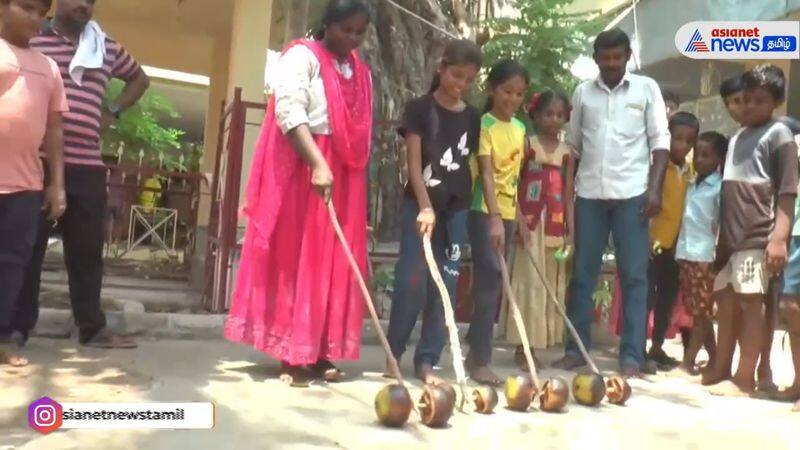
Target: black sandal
[
  {"x": 325, "y": 370},
  {"x": 295, "y": 376},
  {"x": 108, "y": 340}
]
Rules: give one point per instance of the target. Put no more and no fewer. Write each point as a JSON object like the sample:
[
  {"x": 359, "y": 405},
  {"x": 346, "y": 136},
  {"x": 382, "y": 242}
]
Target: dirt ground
[{"x": 255, "y": 410}]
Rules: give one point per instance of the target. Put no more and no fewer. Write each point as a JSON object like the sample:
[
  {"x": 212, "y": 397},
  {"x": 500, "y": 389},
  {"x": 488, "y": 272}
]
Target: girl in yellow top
[
  {"x": 494, "y": 207},
  {"x": 545, "y": 224}
]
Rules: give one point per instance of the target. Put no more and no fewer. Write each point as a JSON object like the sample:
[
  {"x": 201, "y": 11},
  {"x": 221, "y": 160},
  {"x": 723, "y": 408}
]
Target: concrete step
[
  {"x": 58, "y": 322},
  {"x": 152, "y": 295}
]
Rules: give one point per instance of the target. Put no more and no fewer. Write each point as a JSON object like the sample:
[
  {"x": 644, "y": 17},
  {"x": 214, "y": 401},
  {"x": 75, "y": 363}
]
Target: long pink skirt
[{"x": 296, "y": 298}]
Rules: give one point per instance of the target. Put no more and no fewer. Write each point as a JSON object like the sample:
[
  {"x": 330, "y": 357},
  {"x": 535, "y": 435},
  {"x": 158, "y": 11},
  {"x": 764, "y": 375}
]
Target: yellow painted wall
[
  {"x": 237, "y": 61},
  {"x": 250, "y": 39},
  {"x": 217, "y": 95},
  {"x": 168, "y": 34},
  {"x": 184, "y": 52}
]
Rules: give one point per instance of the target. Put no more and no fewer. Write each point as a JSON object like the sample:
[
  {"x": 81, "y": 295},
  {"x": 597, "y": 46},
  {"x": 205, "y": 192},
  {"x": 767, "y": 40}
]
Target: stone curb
[
  {"x": 175, "y": 325},
  {"x": 55, "y": 322}
]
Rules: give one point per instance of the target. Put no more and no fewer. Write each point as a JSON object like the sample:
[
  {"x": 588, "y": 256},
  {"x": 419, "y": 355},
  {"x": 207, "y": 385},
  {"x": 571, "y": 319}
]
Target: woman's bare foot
[
  {"x": 519, "y": 359},
  {"x": 425, "y": 373},
  {"x": 12, "y": 360},
  {"x": 764, "y": 377},
  {"x": 387, "y": 372},
  {"x": 766, "y": 384},
  {"x": 482, "y": 374},
  {"x": 710, "y": 377},
  {"x": 796, "y": 407},
  {"x": 730, "y": 388},
  {"x": 522, "y": 362}
]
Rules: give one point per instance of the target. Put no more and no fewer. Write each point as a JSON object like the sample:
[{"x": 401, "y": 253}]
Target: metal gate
[{"x": 222, "y": 248}]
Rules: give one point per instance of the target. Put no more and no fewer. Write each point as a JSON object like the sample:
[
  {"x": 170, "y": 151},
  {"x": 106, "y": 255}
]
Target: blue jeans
[
  {"x": 595, "y": 219},
  {"x": 414, "y": 289},
  {"x": 19, "y": 216}
]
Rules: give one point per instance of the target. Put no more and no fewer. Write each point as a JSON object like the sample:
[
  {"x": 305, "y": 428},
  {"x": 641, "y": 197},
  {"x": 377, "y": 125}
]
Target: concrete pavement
[{"x": 256, "y": 411}]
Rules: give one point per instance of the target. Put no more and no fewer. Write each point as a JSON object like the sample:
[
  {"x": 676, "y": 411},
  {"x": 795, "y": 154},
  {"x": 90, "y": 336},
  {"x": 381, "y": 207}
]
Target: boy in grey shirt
[{"x": 758, "y": 194}]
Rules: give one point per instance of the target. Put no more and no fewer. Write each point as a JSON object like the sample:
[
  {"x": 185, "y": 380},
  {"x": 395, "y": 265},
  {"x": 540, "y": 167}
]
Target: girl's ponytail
[
  {"x": 435, "y": 83},
  {"x": 489, "y": 105}
]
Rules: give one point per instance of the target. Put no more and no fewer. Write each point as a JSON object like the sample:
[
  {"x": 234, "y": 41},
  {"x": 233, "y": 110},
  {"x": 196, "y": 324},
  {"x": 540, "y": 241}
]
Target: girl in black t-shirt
[{"x": 441, "y": 132}]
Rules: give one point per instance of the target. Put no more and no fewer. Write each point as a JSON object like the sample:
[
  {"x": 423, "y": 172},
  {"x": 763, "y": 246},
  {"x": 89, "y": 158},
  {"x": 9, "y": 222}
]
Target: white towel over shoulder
[{"x": 91, "y": 52}]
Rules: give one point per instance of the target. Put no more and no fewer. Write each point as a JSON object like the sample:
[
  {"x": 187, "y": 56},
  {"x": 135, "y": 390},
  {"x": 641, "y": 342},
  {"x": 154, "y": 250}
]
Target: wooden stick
[
  {"x": 550, "y": 296},
  {"x": 393, "y": 366},
  {"x": 449, "y": 319},
  {"x": 523, "y": 335}
]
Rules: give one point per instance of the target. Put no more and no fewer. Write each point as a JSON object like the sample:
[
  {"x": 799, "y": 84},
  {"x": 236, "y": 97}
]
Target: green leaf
[
  {"x": 545, "y": 39},
  {"x": 139, "y": 128}
]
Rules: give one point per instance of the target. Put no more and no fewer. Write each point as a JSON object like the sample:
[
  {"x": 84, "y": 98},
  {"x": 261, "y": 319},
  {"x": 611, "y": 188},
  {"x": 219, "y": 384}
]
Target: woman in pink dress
[{"x": 296, "y": 298}]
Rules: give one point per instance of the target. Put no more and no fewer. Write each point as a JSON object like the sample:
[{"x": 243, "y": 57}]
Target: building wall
[
  {"x": 225, "y": 40},
  {"x": 180, "y": 51}
]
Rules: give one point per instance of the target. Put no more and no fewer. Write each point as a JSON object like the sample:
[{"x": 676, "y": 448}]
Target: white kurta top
[{"x": 300, "y": 93}]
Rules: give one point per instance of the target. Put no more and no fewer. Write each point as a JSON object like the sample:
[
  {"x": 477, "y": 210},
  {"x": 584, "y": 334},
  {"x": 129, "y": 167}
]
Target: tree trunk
[
  {"x": 296, "y": 19},
  {"x": 403, "y": 53}
]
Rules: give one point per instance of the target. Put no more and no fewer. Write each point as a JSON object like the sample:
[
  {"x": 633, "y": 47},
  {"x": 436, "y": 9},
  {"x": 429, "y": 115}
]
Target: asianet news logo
[{"x": 739, "y": 40}]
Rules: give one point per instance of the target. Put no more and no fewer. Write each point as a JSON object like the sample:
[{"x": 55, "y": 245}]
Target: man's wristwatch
[{"x": 114, "y": 109}]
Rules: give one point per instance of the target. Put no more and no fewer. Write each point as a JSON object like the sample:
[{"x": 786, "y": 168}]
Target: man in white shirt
[{"x": 620, "y": 137}]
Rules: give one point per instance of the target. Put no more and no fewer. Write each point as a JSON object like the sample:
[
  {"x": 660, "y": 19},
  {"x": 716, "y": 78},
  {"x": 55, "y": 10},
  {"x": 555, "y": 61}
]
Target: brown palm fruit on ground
[
  {"x": 519, "y": 392},
  {"x": 485, "y": 398},
  {"x": 451, "y": 391},
  {"x": 436, "y": 406},
  {"x": 555, "y": 395},
  {"x": 393, "y": 405},
  {"x": 588, "y": 389},
  {"x": 618, "y": 390}
]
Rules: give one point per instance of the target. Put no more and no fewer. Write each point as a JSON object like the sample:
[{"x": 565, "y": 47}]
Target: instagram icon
[{"x": 45, "y": 415}]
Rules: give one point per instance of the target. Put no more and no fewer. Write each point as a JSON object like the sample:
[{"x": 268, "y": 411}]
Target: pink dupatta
[{"x": 276, "y": 161}]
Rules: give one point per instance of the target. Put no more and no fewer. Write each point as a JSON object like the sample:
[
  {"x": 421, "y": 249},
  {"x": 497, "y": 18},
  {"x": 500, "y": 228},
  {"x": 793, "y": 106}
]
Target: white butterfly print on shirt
[
  {"x": 447, "y": 161},
  {"x": 427, "y": 176},
  {"x": 462, "y": 145}
]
